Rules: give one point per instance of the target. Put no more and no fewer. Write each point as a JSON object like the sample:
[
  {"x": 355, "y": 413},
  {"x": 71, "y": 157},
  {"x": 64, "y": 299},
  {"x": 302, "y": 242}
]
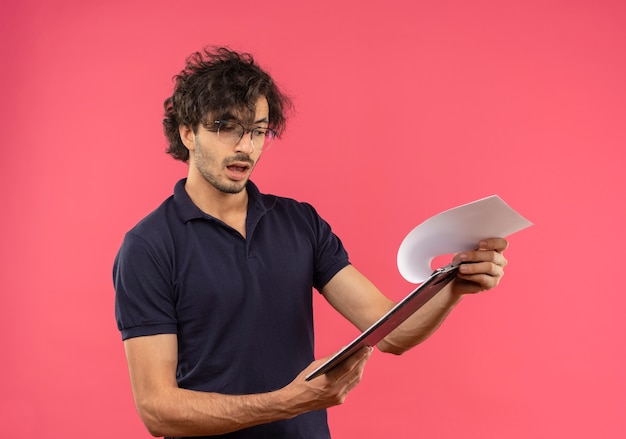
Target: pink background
[{"x": 404, "y": 109}]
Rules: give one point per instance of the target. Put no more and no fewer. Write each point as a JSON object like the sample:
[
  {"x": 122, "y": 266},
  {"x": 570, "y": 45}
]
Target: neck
[{"x": 214, "y": 202}]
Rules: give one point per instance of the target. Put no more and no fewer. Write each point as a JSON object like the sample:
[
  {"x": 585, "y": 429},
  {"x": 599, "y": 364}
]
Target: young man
[{"x": 214, "y": 288}]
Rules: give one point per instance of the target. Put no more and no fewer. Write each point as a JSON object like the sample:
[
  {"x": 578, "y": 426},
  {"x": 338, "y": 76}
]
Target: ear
[{"x": 187, "y": 136}]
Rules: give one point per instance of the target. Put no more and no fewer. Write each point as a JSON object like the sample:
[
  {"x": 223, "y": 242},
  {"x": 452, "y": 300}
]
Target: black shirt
[{"x": 241, "y": 307}]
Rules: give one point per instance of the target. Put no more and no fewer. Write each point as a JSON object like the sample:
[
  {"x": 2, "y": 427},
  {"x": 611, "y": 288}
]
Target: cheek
[
  {"x": 203, "y": 152},
  {"x": 256, "y": 156},
  {"x": 201, "y": 156}
]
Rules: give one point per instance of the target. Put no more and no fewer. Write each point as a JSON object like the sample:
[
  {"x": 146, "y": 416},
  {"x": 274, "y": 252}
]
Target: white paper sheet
[{"x": 456, "y": 230}]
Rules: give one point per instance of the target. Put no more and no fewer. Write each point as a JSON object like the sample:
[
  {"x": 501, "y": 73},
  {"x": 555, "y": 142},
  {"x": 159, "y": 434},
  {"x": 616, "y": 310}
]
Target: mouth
[{"x": 238, "y": 170}]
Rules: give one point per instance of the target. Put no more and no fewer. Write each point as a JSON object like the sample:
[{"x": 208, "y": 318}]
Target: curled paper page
[{"x": 456, "y": 230}]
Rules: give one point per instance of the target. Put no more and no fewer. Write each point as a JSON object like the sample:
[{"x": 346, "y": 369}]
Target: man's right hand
[{"x": 329, "y": 389}]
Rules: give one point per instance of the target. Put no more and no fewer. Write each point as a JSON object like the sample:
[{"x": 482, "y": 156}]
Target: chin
[{"x": 232, "y": 189}]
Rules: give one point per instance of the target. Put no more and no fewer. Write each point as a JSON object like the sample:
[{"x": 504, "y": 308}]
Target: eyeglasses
[{"x": 231, "y": 133}]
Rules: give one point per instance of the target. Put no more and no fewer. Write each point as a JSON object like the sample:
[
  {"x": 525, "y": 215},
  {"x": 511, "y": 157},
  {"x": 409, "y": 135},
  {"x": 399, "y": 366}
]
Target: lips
[{"x": 238, "y": 170}]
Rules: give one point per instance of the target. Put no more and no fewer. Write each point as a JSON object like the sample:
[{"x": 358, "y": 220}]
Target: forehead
[{"x": 258, "y": 111}]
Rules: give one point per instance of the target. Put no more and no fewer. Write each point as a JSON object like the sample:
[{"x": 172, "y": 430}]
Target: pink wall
[{"x": 404, "y": 109}]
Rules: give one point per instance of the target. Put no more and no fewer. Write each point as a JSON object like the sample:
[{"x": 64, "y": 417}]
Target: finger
[
  {"x": 353, "y": 378},
  {"x": 476, "y": 256},
  {"x": 477, "y": 268},
  {"x": 351, "y": 364},
  {"x": 497, "y": 244},
  {"x": 479, "y": 282},
  {"x": 485, "y": 275}
]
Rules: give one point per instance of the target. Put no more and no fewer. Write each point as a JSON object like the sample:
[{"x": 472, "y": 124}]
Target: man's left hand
[{"x": 481, "y": 269}]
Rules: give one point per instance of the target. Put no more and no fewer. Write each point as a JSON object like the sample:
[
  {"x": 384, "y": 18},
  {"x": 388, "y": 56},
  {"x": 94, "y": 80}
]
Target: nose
[{"x": 245, "y": 143}]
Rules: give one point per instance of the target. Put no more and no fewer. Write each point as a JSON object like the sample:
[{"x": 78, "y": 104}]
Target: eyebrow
[{"x": 225, "y": 116}]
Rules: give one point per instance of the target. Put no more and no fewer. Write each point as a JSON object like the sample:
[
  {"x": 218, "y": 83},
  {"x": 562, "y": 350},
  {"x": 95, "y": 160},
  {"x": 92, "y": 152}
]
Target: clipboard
[{"x": 393, "y": 318}]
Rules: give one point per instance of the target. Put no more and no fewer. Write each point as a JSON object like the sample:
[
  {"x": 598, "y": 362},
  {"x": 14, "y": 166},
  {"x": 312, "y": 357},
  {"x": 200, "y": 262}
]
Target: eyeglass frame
[{"x": 221, "y": 122}]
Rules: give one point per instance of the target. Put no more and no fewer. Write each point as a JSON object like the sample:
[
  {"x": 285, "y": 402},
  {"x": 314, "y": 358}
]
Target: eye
[
  {"x": 260, "y": 132},
  {"x": 228, "y": 127}
]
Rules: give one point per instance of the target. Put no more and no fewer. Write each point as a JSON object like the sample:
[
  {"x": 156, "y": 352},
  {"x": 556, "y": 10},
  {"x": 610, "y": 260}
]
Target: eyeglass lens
[{"x": 232, "y": 132}]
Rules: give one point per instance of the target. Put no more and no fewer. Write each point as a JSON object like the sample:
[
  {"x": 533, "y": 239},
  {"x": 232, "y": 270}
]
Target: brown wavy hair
[{"x": 218, "y": 80}]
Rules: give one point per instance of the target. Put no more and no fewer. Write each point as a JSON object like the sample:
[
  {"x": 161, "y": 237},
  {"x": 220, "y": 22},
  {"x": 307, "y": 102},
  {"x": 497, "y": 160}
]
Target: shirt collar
[{"x": 258, "y": 203}]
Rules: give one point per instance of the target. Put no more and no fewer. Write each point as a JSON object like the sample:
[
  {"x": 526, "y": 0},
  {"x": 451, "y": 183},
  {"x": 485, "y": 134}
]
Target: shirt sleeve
[
  {"x": 330, "y": 254},
  {"x": 145, "y": 302}
]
